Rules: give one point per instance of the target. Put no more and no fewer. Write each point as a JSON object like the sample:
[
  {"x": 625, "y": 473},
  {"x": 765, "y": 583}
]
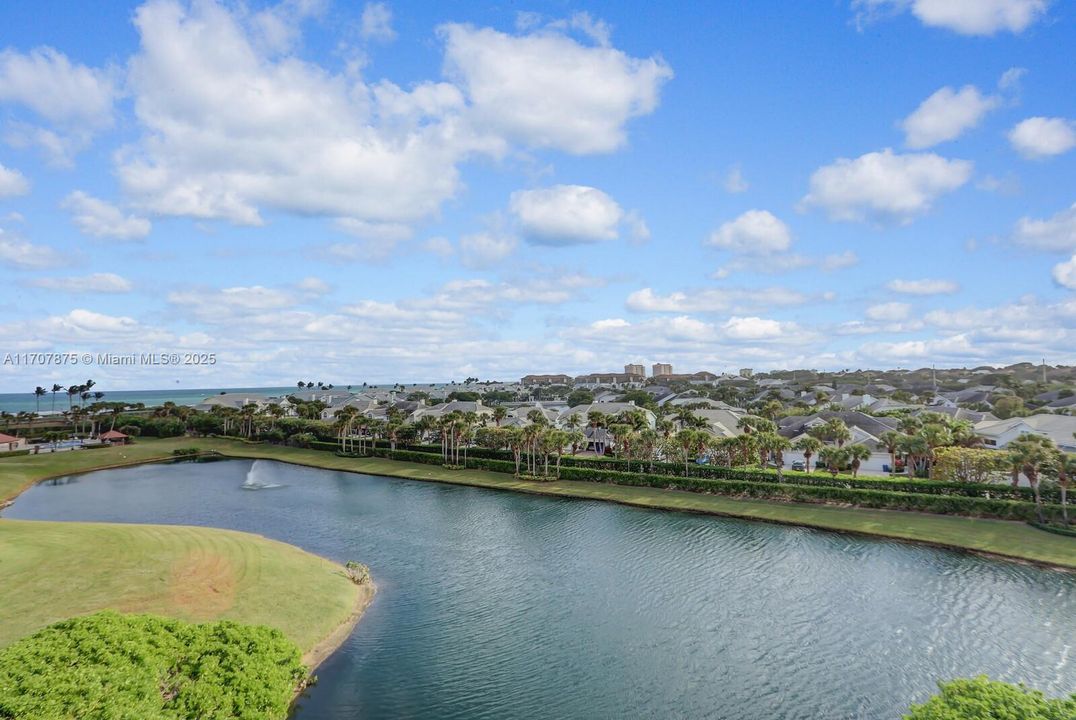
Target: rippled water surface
[{"x": 499, "y": 605}]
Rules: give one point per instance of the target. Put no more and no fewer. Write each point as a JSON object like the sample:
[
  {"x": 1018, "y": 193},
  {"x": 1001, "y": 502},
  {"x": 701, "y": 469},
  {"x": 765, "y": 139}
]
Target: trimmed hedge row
[
  {"x": 991, "y": 491},
  {"x": 14, "y": 453},
  {"x": 893, "y": 500}
]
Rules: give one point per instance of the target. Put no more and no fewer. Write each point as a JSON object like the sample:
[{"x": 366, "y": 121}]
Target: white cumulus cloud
[
  {"x": 76, "y": 100},
  {"x": 566, "y": 215},
  {"x": 1065, "y": 273},
  {"x": 885, "y": 185},
  {"x": 12, "y": 182},
  {"x": 1041, "y": 137},
  {"x": 100, "y": 219},
  {"x": 547, "y": 90},
  {"x": 967, "y": 17},
  {"x": 1056, "y": 233},
  {"x": 21, "y": 254},
  {"x": 945, "y": 115},
  {"x": 756, "y": 232}
]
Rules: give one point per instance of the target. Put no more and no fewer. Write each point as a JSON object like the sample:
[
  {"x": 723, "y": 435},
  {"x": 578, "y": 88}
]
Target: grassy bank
[
  {"x": 54, "y": 570},
  {"x": 1008, "y": 539}
]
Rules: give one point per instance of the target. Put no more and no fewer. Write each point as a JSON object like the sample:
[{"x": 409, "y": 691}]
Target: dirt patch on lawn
[{"x": 202, "y": 585}]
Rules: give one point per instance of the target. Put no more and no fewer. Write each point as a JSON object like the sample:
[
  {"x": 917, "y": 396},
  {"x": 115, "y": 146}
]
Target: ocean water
[{"x": 15, "y": 402}]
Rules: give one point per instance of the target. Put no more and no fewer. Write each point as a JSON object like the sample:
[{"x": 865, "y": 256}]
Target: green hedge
[
  {"x": 791, "y": 491},
  {"x": 1058, "y": 529},
  {"x": 1050, "y": 494},
  {"x": 14, "y": 453},
  {"x": 141, "y": 667}
]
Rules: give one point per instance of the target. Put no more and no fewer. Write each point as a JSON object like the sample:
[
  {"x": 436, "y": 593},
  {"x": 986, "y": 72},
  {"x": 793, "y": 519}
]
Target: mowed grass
[
  {"x": 50, "y": 571},
  {"x": 18, "y": 473}
]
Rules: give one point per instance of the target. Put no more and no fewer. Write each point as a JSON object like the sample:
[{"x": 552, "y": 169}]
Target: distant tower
[
  {"x": 632, "y": 369},
  {"x": 660, "y": 369}
]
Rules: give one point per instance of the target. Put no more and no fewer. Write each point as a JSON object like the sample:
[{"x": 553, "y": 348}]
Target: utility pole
[{"x": 1044, "y": 371}]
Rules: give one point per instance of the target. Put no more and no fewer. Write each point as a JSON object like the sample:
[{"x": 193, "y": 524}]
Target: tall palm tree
[
  {"x": 39, "y": 392},
  {"x": 1033, "y": 453},
  {"x": 55, "y": 389},
  {"x": 857, "y": 454},
  {"x": 808, "y": 445},
  {"x": 1065, "y": 470},
  {"x": 499, "y": 414},
  {"x": 936, "y": 435},
  {"x": 891, "y": 440}
]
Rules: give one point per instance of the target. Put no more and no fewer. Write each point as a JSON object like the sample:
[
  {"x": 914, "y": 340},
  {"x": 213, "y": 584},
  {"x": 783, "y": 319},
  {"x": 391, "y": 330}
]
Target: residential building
[
  {"x": 635, "y": 370},
  {"x": 746, "y": 372},
  {"x": 660, "y": 369},
  {"x": 10, "y": 443},
  {"x": 614, "y": 380},
  {"x": 533, "y": 380},
  {"x": 997, "y": 434}
]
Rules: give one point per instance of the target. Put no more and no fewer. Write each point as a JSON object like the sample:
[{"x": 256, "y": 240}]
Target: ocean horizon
[{"x": 28, "y": 402}]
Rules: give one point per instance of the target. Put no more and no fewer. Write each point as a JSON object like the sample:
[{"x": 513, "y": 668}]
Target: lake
[{"x": 503, "y": 605}]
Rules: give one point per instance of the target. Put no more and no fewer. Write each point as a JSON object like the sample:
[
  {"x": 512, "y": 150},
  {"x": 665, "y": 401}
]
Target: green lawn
[{"x": 50, "y": 571}]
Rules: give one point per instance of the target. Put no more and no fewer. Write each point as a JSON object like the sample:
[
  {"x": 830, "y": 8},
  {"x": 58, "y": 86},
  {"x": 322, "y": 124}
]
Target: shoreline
[
  {"x": 879, "y": 534},
  {"x": 972, "y": 535}
]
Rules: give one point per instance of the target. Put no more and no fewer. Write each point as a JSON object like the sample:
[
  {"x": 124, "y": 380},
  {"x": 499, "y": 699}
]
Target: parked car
[{"x": 798, "y": 465}]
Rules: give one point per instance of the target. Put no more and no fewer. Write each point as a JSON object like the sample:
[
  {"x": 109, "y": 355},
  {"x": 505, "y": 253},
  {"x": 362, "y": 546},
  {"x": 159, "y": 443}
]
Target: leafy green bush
[
  {"x": 109, "y": 666},
  {"x": 984, "y": 699},
  {"x": 14, "y": 453},
  {"x": 186, "y": 452}
]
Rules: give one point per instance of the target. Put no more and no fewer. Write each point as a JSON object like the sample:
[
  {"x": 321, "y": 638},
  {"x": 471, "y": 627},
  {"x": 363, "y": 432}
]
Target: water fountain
[{"x": 256, "y": 477}]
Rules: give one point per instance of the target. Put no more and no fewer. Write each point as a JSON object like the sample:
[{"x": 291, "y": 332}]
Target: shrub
[
  {"x": 303, "y": 440},
  {"x": 357, "y": 572},
  {"x": 14, "y": 453},
  {"x": 141, "y": 667},
  {"x": 185, "y": 452},
  {"x": 984, "y": 699}
]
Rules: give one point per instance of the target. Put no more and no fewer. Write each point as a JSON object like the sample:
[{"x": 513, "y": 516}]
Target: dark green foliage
[
  {"x": 761, "y": 485},
  {"x": 185, "y": 452},
  {"x": 14, "y": 453},
  {"x": 109, "y": 666},
  {"x": 1056, "y": 529},
  {"x": 823, "y": 479},
  {"x": 984, "y": 699}
]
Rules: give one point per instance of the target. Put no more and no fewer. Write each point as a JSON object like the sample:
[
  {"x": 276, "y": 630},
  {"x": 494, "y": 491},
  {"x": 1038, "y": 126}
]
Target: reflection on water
[{"x": 498, "y": 605}]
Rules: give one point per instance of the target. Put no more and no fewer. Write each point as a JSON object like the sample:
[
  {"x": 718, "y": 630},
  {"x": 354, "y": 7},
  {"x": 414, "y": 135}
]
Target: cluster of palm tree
[
  {"x": 1037, "y": 457},
  {"x": 919, "y": 437}
]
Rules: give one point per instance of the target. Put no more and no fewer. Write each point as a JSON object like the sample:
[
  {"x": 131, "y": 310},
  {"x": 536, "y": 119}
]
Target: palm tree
[
  {"x": 857, "y": 454},
  {"x": 1033, "y": 454},
  {"x": 891, "y": 440},
  {"x": 55, "y": 389},
  {"x": 39, "y": 392},
  {"x": 1065, "y": 469},
  {"x": 835, "y": 458},
  {"x": 499, "y": 414},
  {"x": 775, "y": 446},
  {"x": 935, "y": 435},
  {"x": 808, "y": 445},
  {"x": 916, "y": 451}
]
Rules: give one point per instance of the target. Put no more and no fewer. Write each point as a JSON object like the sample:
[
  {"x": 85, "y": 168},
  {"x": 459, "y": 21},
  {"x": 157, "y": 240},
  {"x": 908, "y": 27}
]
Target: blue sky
[{"x": 410, "y": 191}]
